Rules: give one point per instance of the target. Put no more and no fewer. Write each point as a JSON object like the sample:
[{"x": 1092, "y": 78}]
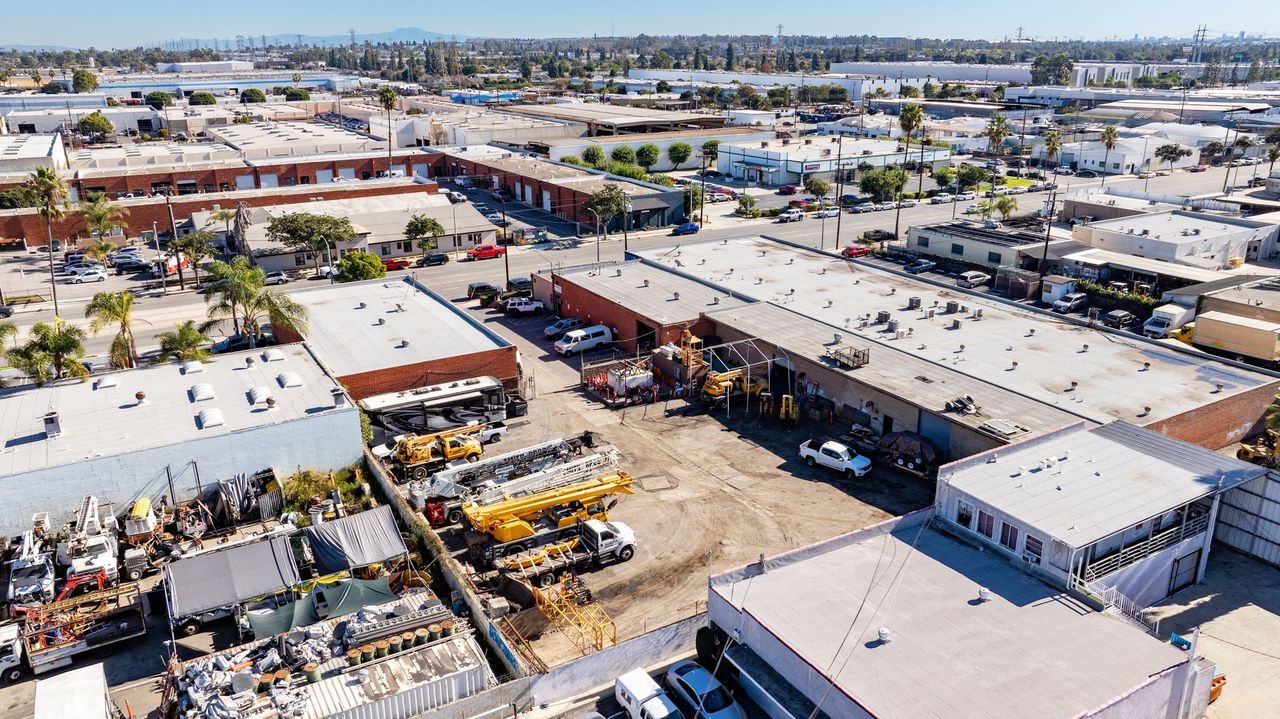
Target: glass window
[
  {"x": 994, "y": 258},
  {"x": 964, "y": 515},
  {"x": 1009, "y": 536},
  {"x": 957, "y": 248},
  {"x": 986, "y": 524}
]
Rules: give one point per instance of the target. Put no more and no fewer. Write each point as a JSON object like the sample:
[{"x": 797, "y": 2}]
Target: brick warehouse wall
[
  {"x": 499, "y": 362},
  {"x": 1218, "y": 424},
  {"x": 26, "y": 224}
]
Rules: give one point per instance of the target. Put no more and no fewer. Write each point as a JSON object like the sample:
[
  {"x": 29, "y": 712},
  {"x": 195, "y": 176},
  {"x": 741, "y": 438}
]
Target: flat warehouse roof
[
  {"x": 1031, "y": 651},
  {"x": 649, "y": 291},
  {"x": 1102, "y": 481},
  {"x": 1112, "y": 380},
  {"x": 418, "y": 326},
  {"x": 101, "y": 417}
]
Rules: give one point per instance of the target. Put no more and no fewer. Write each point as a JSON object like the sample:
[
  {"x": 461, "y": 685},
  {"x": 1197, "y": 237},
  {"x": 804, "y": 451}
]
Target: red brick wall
[
  {"x": 19, "y": 224},
  {"x": 1218, "y": 424},
  {"x": 499, "y": 362}
]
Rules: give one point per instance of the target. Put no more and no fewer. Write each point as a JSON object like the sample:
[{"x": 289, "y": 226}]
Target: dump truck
[
  {"x": 521, "y": 523},
  {"x": 597, "y": 543},
  {"x": 52, "y": 635},
  {"x": 419, "y": 456}
]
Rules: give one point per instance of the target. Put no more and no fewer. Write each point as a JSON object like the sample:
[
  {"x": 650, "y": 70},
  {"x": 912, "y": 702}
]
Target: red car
[
  {"x": 485, "y": 252},
  {"x": 788, "y": 190},
  {"x": 395, "y": 264},
  {"x": 855, "y": 251}
]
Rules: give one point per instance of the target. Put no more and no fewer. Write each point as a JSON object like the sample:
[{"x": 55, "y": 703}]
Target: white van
[
  {"x": 587, "y": 338},
  {"x": 641, "y": 697}
]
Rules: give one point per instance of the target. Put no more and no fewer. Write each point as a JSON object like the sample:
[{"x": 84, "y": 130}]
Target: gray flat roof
[
  {"x": 348, "y": 339},
  {"x": 1031, "y": 651},
  {"x": 1049, "y": 350},
  {"x": 1103, "y": 479},
  {"x": 99, "y": 419},
  {"x": 650, "y": 291}
]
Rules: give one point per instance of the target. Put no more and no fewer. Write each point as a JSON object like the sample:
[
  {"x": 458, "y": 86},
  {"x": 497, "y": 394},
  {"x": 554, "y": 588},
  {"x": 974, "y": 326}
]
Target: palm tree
[
  {"x": 102, "y": 216},
  {"x": 1110, "y": 136},
  {"x": 1052, "y": 146},
  {"x": 226, "y": 217},
  {"x": 232, "y": 284},
  {"x": 1006, "y": 205},
  {"x": 115, "y": 308},
  {"x": 51, "y": 192},
  {"x": 196, "y": 247},
  {"x": 55, "y": 346},
  {"x": 387, "y": 98},
  {"x": 277, "y": 309},
  {"x": 186, "y": 343}
]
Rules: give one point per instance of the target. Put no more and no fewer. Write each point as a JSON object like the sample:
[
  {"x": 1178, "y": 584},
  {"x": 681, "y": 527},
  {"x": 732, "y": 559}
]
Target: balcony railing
[{"x": 1139, "y": 551}]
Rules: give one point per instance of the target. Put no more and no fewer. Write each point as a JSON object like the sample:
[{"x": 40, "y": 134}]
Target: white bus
[{"x": 439, "y": 406}]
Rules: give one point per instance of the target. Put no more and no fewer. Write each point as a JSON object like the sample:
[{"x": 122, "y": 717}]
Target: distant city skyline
[{"x": 84, "y": 24}]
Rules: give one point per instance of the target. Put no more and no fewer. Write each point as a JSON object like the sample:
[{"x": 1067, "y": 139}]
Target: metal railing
[
  {"x": 1137, "y": 552},
  {"x": 1111, "y": 598}
]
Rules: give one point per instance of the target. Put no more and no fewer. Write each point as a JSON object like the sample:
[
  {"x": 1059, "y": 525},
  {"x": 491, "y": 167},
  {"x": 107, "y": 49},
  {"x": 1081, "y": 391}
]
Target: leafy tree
[
  {"x": 296, "y": 94},
  {"x": 1051, "y": 70},
  {"x": 647, "y": 155},
  {"x": 51, "y": 193},
  {"x": 711, "y": 150},
  {"x": 593, "y": 155},
  {"x": 387, "y": 99},
  {"x": 196, "y": 247},
  {"x": 679, "y": 153},
  {"x": 158, "y": 99},
  {"x": 1171, "y": 153},
  {"x": 423, "y": 231},
  {"x": 606, "y": 204},
  {"x": 306, "y": 232},
  {"x": 883, "y": 182},
  {"x": 359, "y": 265},
  {"x": 102, "y": 216},
  {"x": 53, "y": 87},
  {"x": 817, "y": 187},
  {"x": 83, "y": 81},
  {"x": 1006, "y": 205},
  {"x": 1110, "y": 136},
  {"x": 202, "y": 98},
  {"x": 95, "y": 123},
  {"x": 55, "y": 347},
  {"x": 115, "y": 308},
  {"x": 253, "y": 94},
  {"x": 624, "y": 154},
  {"x": 186, "y": 343}
]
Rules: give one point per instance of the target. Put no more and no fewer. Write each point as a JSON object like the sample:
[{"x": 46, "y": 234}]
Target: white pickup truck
[{"x": 834, "y": 455}]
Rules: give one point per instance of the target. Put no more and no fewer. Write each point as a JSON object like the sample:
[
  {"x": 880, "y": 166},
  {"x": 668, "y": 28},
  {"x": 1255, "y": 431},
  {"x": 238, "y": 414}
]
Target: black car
[
  {"x": 519, "y": 283},
  {"x": 433, "y": 259},
  {"x": 475, "y": 289}
]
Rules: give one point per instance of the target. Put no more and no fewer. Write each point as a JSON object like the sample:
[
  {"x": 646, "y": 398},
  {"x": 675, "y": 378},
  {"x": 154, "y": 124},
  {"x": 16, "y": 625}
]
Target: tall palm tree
[
  {"x": 910, "y": 119},
  {"x": 387, "y": 98},
  {"x": 52, "y": 346},
  {"x": 1053, "y": 146},
  {"x": 51, "y": 193},
  {"x": 185, "y": 343},
  {"x": 1110, "y": 136},
  {"x": 115, "y": 308},
  {"x": 232, "y": 285},
  {"x": 101, "y": 215}
]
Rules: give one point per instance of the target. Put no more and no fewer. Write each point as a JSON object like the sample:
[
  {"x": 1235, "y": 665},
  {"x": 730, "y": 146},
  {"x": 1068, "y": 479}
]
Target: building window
[
  {"x": 994, "y": 258},
  {"x": 922, "y": 241},
  {"x": 957, "y": 248},
  {"x": 1032, "y": 549},
  {"x": 964, "y": 515},
  {"x": 1009, "y": 536},
  {"x": 986, "y": 524}
]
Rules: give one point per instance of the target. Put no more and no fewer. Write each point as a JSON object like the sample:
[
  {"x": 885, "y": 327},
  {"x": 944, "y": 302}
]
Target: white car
[
  {"x": 827, "y": 212},
  {"x": 89, "y": 276}
]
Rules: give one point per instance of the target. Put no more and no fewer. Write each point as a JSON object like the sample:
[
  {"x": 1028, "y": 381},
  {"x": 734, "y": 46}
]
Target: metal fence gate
[{"x": 1249, "y": 518}]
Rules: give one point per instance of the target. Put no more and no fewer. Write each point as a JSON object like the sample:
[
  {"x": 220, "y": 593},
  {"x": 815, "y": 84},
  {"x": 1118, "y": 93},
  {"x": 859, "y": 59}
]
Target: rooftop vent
[
  {"x": 201, "y": 392},
  {"x": 192, "y": 367},
  {"x": 289, "y": 379},
  {"x": 211, "y": 417},
  {"x": 107, "y": 381}
]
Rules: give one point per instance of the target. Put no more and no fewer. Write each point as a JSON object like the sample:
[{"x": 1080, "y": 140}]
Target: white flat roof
[
  {"x": 1049, "y": 349},
  {"x": 1103, "y": 479},
  {"x": 1031, "y": 651},
  {"x": 348, "y": 339},
  {"x": 99, "y": 419}
]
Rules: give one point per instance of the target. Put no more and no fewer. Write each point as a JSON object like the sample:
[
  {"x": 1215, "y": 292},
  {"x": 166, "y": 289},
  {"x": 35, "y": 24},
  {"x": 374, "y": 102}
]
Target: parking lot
[{"x": 710, "y": 493}]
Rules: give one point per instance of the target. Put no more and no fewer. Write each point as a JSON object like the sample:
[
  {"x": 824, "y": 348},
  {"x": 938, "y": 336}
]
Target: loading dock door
[{"x": 937, "y": 429}]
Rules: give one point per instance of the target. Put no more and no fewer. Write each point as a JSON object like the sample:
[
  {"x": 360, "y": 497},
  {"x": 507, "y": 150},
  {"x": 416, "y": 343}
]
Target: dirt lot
[{"x": 711, "y": 493}]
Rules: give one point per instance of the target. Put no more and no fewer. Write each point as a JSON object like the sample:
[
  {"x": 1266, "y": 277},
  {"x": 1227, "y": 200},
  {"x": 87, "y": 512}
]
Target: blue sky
[{"x": 102, "y": 24}]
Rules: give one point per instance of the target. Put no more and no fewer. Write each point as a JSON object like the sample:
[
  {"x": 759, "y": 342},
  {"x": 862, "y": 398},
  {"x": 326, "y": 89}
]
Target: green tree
[
  {"x": 102, "y": 216},
  {"x": 423, "y": 231},
  {"x": 158, "y": 99},
  {"x": 50, "y": 190},
  {"x": 359, "y": 265},
  {"x": 83, "y": 81},
  {"x": 817, "y": 187},
  {"x": 1006, "y": 205},
  {"x": 679, "y": 153},
  {"x": 1171, "y": 153},
  {"x": 623, "y": 154},
  {"x": 387, "y": 99},
  {"x": 196, "y": 247},
  {"x": 1052, "y": 146},
  {"x": 647, "y": 155},
  {"x": 1110, "y": 136},
  {"x": 711, "y": 151},
  {"x": 186, "y": 343},
  {"x": 95, "y": 123},
  {"x": 253, "y": 94},
  {"x": 202, "y": 98},
  {"x": 606, "y": 204},
  {"x": 55, "y": 347},
  {"x": 306, "y": 232},
  {"x": 883, "y": 182},
  {"x": 115, "y": 308},
  {"x": 593, "y": 155},
  {"x": 232, "y": 285}
]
